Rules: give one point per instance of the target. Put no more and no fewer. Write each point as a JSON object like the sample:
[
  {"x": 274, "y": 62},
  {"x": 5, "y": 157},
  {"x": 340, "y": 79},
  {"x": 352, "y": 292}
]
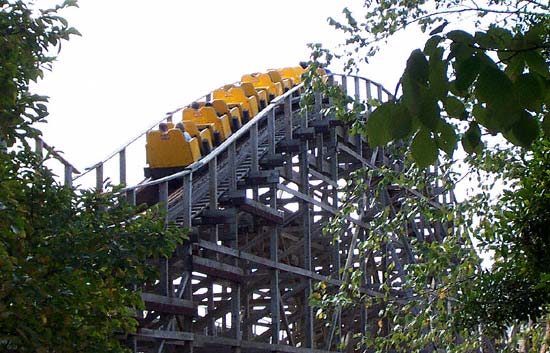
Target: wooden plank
[
  {"x": 276, "y": 265},
  {"x": 266, "y": 347},
  {"x": 168, "y": 304},
  {"x": 165, "y": 335},
  {"x": 318, "y": 203},
  {"x": 217, "y": 269},
  {"x": 263, "y": 211}
]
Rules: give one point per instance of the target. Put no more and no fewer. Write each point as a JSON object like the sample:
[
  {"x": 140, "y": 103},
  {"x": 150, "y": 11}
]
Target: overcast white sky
[{"x": 138, "y": 59}]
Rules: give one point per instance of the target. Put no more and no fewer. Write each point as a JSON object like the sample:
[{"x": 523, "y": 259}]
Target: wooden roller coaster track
[{"x": 256, "y": 206}]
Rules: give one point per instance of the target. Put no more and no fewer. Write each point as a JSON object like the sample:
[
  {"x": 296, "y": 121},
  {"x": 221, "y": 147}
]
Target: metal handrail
[
  {"x": 98, "y": 167},
  {"x": 129, "y": 142},
  {"x": 221, "y": 148}
]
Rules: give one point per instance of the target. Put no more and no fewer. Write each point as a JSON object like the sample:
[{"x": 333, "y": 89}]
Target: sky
[{"x": 137, "y": 60}]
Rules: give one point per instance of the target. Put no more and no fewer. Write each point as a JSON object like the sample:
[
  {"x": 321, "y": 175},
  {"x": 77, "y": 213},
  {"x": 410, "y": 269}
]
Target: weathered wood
[
  {"x": 122, "y": 166},
  {"x": 169, "y": 305},
  {"x": 259, "y": 250},
  {"x": 217, "y": 269}
]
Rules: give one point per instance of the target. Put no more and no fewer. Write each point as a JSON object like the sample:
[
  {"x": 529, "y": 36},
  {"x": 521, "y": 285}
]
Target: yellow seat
[
  {"x": 235, "y": 95},
  {"x": 292, "y": 73},
  {"x": 233, "y": 111},
  {"x": 207, "y": 115},
  {"x": 260, "y": 94},
  {"x": 276, "y": 77},
  {"x": 221, "y": 107},
  {"x": 170, "y": 149},
  {"x": 204, "y": 134},
  {"x": 263, "y": 81}
]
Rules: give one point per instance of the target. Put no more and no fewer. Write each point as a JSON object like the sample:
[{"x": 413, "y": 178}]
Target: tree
[
  {"x": 70, "y": 260},
  {"x": 461, "y": 87}
]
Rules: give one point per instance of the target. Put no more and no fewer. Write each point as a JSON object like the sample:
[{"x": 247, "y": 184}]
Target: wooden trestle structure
[{"x": 256, "y": 206}]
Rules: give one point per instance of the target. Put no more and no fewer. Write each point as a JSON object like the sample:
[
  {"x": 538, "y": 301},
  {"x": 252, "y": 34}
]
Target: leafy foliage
[
  {"x": 495, "y": 79},
  {"x": 461, "y": 87},
  {"x": 71, "y": 261},
  {"x": 515, "y": 229},
  {"x": 28, "y": 37}
]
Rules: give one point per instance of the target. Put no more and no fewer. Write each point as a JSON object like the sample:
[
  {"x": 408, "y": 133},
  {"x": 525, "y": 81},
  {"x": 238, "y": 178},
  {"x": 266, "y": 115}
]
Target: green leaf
[
  {"x": 417, "y": 67},
  {"x": 400, "y": 122},
  {"x": 471, "y": 141},
  {"x": 446, "y": 137},
  {"x": 524, "y": 132},
  {"x": 439, "y": 28},
  {"x": 496, "y": 118},
  {"x": 485, "y": 40},
  {"x": 494, "y": 87},
  {"x": 529, "y": 89},
  {"x": 546, "y": 124},
  {"x": 424, "y": 149},
  {"x": 459, "y": 36},
  {"x": 536, "y": 34},
  {"x": 461, "y": 51},
  {"x": 378, "y": 125},
  {"x": 454, "y": 107},
  {"x": 429, "y": 113},
  {"x": 412, "y": 94},
  {"x": 536, "y": 63},
  {"x": 466, "y": 72},
  {"x": 431, "y": 45},
  {"x": 439, "y": 83},
  {"x": 516, "y": 66}
]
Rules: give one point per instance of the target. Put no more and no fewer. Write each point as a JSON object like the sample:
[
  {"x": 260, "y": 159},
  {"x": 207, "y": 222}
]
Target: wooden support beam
[
  {"x": 168, "y": 305},
  {"x": 217, "y": 269}
]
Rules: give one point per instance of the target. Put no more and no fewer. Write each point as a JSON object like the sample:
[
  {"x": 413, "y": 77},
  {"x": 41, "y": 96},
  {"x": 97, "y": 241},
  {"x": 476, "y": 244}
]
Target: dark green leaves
[
  {"x": 471, "y": 141},
  {"x": 530, "y": 91},
  {"x": 524, "y": 131},
  {"x": 417, "y": 67},
  {"x": 546, "y": 124},
  {"x": 446, "y": 137},
  {"x": 454, "y": 107},
  {"x": 390, "y": 121},
  {"x": 429, "y": 114},
  {"x": 401, "y": 122},
  {"x": 536, "y": 63},
  {"x": 28, "y": 40},
  {"x": 69, "y": 260},
  {"x": 424, "y": 149},
  {"x": 378, "y": 125},
  {"x": 466, "y": 72},
  {"x": 494, "y": 87}
]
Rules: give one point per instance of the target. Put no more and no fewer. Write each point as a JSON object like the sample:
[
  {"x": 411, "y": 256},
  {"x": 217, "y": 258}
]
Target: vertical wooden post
[
  {"x": 39, "y": 147},
  {"x": 68, "y": 180},
  {"x": 306, "y": 231},
  {"x": 357, "y": 97},
  {"x": 288, "y": 133},
  {"x": 232, "y": 152},
  {"x": 122, "y": 166},
  {"x": 213, "y": 204},
  {"x": 164, "y": 285},
  {"x": 345, "y": 84},
  {"x": 254, "y": 167},
  {"x": 271, "y": 132},
  {"x": 275, "y": 291},
  {"x": 368, "y": 86},
  {"x": 99, "y": 177},
  {"x": 335, "y": 333},
  {"x": 319, "y": 138},
  {"x": 131, "y": 197},
  {"x": 186, "y": 199}
]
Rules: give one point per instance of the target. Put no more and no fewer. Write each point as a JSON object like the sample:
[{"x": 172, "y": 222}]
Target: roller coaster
[{"x": 256, "y": 181}]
